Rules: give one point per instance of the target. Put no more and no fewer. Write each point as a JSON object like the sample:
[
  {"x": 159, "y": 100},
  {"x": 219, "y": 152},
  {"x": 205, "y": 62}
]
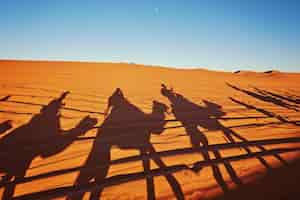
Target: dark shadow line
[
  {"x": 16, "y": 113},
  {"x": 118, "y": 179},
  {"x": 293, "y": 122},
  {"x": 3, "y": 153},
  {"x": 167, "y": 153},
  {"x": 5, "y": 99},
  {"x": 263, "y": 111},
  {"x": 263, "y": 161},
  {"x": 296, "y": 101},
  {"x": 137, "y": 123},
  {"x": 52, "y": 90},
  {"x": 29, "y": 113},
  {"x": 267, "y": 113},
  {"x": 52, "y": 97},
  {"x": 264, "y": 98}
]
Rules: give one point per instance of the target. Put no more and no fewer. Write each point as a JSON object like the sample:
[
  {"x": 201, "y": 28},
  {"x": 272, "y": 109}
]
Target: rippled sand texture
[{"x": 201, "y": 135}]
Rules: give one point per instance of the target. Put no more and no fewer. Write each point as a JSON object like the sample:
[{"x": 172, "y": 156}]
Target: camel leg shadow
[
  {"x": 10, "y": 188},
  {"x": 149, "y": 180}
]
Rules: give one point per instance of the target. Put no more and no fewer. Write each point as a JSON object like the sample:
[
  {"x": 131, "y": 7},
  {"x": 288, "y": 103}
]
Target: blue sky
[{"x": 215, "y": 34}]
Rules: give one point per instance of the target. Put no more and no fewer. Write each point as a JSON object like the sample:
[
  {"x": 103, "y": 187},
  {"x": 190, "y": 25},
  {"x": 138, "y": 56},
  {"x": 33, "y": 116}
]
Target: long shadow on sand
[
  {"x": 119, "y": 179},
  {"x": 125, "y": 137},
  {"x": 279, "y": 184},
  {"x": 265, "y": 112},
  {"x": 266, "y": 97},
  {"x": 279, "y": 96},
  {"x": 45, "y": 126},
  {"x": 207, "y": 117},
  {"x": 202, "y": 116},
  {"x": 8, "y": 100},
  {"x": 128, "y": 127}
]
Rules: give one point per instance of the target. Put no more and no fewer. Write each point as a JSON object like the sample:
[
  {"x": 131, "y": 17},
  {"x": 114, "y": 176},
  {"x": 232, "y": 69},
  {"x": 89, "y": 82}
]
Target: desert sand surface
[{"x": 168, "y": 133}]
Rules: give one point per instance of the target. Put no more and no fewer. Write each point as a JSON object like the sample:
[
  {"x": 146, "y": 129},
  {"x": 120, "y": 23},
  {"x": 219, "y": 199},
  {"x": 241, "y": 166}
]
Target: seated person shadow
[
  {"x": 41, "y": 136},
  {"x": 127, "y": 127}
]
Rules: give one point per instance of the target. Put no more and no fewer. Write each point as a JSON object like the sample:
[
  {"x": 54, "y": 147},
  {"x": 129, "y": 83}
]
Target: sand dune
[{"x": 168, "y": 133}]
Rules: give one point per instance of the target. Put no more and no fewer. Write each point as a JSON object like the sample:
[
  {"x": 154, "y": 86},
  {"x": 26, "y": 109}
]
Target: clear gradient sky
[{"x": 215, "y": 34}]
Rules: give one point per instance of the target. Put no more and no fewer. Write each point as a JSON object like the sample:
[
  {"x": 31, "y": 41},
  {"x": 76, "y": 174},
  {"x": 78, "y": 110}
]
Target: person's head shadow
[{"x": 41, "y": 136}]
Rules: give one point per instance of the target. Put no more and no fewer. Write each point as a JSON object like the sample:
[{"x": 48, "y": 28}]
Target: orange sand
[{"x": 91, "y": 84}]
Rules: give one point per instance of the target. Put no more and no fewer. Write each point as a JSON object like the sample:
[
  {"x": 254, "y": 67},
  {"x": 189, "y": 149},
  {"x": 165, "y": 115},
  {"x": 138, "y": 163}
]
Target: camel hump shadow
[{"x": 127, "y": 126}]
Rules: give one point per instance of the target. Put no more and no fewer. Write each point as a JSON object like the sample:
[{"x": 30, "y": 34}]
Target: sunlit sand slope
[{"x": 199, "y": 135}]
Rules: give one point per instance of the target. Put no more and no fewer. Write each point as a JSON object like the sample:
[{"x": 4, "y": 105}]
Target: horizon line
[{"x": 182, "y": 67}]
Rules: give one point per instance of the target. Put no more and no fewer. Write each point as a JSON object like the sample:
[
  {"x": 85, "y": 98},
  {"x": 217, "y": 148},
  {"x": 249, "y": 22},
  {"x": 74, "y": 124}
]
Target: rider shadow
[
  {"x": 41, "y": 136},
  {"x": 127, "y": 127}
]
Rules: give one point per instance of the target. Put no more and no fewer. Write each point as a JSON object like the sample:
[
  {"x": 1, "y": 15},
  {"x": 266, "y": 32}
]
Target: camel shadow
[
  {"x": 19, "y": 147},
  {"x": 118, "y": 130},
  {"x": 193, "y": 116},
  {"x": 126, "y": 127}
]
